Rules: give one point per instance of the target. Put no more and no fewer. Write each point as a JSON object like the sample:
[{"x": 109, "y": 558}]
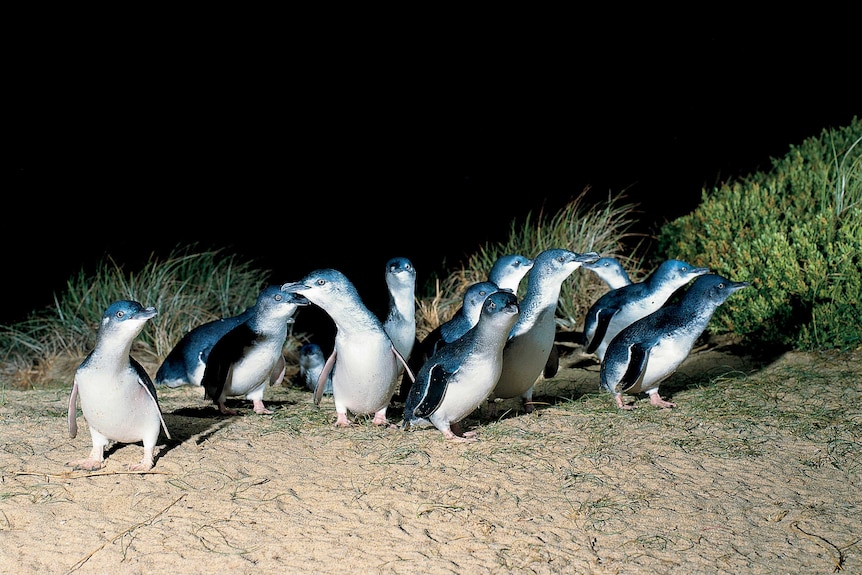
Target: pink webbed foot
[
  {"x": 655, "y": 399},
  {"x": 260, "y": 409},
  {"x": 621, "y": 405},
  {"x": 342, "y": 421}
]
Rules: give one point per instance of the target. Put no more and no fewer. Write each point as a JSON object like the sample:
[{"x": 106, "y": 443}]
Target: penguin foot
[
  {"x": 655, "y": 399},
  {"x": 144, "y": 465},
  {"x": 621, "y": 405},
  {"x": 451, "y": 436},
  {"x": 225, "y": 410},
  {"x": 342, "y": 421},
  {"x": 528, "y": 405},
  {"x": 260, "y": 409}
]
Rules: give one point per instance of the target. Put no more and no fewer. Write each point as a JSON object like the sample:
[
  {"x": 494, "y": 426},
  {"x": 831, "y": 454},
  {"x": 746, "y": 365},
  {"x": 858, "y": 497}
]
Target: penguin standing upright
[{"x": 118, "y": 398}]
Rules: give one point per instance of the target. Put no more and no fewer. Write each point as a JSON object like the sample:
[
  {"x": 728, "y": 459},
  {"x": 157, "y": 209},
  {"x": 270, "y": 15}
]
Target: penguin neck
[{"x": 112, "y": 348}]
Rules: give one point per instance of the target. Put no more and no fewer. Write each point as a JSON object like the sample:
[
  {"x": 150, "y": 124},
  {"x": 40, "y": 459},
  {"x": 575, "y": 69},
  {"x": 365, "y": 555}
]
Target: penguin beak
[
  {"x": 296, "y": 298},
  {"x": 147, "y": 313},
  {"x": 294, "y": 287},
  {"x": 586, "y": 258}
]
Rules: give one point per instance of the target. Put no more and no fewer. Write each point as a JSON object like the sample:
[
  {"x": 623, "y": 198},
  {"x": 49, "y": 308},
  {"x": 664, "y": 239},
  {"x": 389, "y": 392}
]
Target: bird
[
  {"x": 400, "y": 320},
  {"x": 532, "y": 337},
  {"x": 462, "y": 320},
  {"x": 458, "y": 377},
  {"x": 187, "y": 360},
  {"x": 610, "y": 271},
  {"x": 508, "y": 271},
  {"x": 118, "y": 398},
  {"x": 365, "y": 364},
  {"x": 311, "y": 362},
  {"x": 619, "y": 307},
  {"x": 652, "y": 348},
  {"x": 251, "y": 354}
]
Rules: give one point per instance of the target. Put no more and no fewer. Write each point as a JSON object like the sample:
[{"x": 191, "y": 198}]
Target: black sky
[{"x": 344, "y": 158}]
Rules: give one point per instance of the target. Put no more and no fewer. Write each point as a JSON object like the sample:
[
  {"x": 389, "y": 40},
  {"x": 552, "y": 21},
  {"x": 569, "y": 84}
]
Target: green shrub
[{"x": 795, "y": 233}]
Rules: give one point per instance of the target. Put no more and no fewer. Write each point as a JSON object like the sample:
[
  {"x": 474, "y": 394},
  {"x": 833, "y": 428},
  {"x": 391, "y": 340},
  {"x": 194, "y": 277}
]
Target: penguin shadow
[{"x": 198, "y": 424}]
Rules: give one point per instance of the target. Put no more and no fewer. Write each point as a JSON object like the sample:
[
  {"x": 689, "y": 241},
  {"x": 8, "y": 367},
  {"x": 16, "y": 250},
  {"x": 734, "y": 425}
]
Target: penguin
[
  {"x": 250, "y": 355},
  {"x": 365, "y": 364},
  {"x": 463, "y": 319},
  {"x": 311, "y": 362},
  {"x": 186, "y": 362},
  {"x": 652, "y": 348},
  {"x": 508, "y": 271},
  {"x": 118, "y": 398},
  {"x": 400, "y": 321},
  {"x": 458, "y": 377},
  {"x": 610, "y": 271},
  {"x": 620, "y": 307},
  {"x": 532, "y": 338}
]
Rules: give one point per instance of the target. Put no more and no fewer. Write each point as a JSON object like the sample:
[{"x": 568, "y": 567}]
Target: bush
[{"x": 795, "y": 233}]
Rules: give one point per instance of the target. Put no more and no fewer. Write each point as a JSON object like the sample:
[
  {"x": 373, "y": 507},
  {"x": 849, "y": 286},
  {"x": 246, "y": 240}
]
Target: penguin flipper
[
  {"x": 73, "y": 411},
  {"x": 637, "y": 366},
  {"x": 145, "y": 382},
  {"x": 276, "y": 376},
  {"x": 321, "y": 379},
  {"x": 603, "y": 320},
  {"x": 435, "y": 391},
  {"x": 407, "y": 369}
]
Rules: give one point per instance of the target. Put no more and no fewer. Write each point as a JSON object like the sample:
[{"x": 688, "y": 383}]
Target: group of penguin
[{"x": 496, "y": 346}]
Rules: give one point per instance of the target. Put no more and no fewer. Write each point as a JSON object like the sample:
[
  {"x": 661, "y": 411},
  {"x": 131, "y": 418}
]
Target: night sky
[{"x": 383, "y": 151}]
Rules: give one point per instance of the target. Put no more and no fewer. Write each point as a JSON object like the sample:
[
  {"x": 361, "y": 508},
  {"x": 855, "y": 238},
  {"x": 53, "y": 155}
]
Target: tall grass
[
  {"x": 188, "y": 288},
  {"x": 581, "y": 226}
]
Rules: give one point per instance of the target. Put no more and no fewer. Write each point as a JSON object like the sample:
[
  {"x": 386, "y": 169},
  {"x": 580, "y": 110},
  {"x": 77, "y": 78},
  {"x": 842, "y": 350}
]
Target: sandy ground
[{"x": 713, "y": 486}]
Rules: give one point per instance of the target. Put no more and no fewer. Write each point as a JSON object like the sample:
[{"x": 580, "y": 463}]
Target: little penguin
[
  {"x": 651, "y": 349},
  {"x": 458, "y": 377},
  {"x": 532, "y": 338},
  {"x": 251, "y": 354},
  {"x": 400, "y": 322},
  {"x": 610, "y": 271},
  {"x": 364, "y": 363},
  {"x": 463, "y": 319},
  {"x": 311, "y": 362},
  {"x": 508, "y": 271},
  {"x": 186, "y": 362},
  {"x": 622, "y": 306},
  {"x": 118, "y": 398}
]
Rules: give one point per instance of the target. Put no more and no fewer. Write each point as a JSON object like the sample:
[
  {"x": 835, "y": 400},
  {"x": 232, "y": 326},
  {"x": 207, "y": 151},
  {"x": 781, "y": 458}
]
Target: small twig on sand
[{"x": 81, "y": 562}]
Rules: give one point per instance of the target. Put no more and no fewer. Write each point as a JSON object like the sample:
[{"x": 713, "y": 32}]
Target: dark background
[{"x": 301, "y": 155}]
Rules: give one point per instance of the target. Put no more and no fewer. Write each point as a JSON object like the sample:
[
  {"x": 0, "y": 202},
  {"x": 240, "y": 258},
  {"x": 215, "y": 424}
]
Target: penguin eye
[
  {"x": 278, "y": 297},
  {"x": 721, "y": 285},
  {"x": 120, "y": 314},
  {"x": 321, "y": 282}
]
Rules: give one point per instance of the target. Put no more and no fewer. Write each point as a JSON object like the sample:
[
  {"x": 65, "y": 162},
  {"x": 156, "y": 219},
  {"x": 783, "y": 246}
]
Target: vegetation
[{"x": 795, "y": 233}]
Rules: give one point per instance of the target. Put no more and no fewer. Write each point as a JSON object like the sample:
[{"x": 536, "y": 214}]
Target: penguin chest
[
  {"x": 524, "y": 358},
  {"x": 366, "y": 373},
  {"x": 664, "y": 359},
  {"x": 252, "y": 371},
  {"x": 118, "y": 406},
  {"x": 469, "y": 387}
]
